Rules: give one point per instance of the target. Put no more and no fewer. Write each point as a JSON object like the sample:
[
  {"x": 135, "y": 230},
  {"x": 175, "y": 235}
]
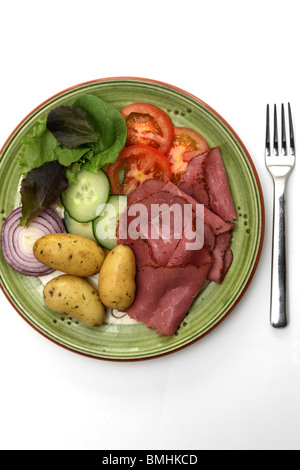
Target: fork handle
[{"x": 279, "y": 272}]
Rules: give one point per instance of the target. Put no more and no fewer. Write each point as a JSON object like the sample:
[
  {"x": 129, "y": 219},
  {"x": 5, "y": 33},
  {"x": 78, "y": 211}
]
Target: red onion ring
[{"x": 17, "y": 241}]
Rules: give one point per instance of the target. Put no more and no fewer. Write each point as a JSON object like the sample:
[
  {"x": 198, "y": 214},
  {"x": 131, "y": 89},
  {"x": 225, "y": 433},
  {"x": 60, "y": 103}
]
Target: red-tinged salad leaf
[
  {"x": 41, "y": 188},
  {"x": 71, "y": 126}
]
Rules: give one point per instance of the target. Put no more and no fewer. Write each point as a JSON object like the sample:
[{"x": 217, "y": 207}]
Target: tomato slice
[
  {"x": 148, "y": 125},
  {"x": 186, "y": 145},
  {"x": 135, "y": 165}
]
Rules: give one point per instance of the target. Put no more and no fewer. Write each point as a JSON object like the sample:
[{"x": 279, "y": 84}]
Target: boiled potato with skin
[
  {"x": 117, "y": 278},
  {"x": 70, "y": 254},
  {"x": 75, "y": 297}
]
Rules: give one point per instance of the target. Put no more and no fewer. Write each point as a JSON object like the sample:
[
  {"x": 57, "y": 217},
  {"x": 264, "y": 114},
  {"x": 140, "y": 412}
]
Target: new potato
[
  {"x": 68, "y": 253},
  {"x": 75, "y": 297},
  {"x": 117, "y": 278}
]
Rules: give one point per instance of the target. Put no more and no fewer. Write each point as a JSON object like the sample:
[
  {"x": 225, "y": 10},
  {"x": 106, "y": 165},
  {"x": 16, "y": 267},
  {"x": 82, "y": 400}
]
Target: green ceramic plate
[{"x": 119, "y": 339}]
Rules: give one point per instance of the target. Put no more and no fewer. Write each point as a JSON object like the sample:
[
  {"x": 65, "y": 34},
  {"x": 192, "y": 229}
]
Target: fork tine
[
  {"x": 268, "y": 143},
  {"x": 283, "y": 132},
  {"x": 276, "y": 148},
  {"x": 292, "y": 139}
]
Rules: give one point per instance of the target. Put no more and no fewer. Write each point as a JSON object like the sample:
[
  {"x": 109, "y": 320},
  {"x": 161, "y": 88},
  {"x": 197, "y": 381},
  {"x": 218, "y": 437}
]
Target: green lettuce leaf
[
  {"x": 68, "y": 156},
  {"x": 37, "y": 148},
  {"x": 71, "y": 172},
  {"x": 109, "y": 124}
]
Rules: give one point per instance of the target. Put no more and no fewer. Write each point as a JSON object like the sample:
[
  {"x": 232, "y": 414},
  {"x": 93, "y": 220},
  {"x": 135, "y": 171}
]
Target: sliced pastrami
[
  {"x": 165, "y": 295},
  {"x": 222, "y": 255},
  {"x": 193, "y": 180},
  {"x": 170, "y": 275},
  {"x": 220, "y": 199},
  {"x": 217, "y": 223},
  {"x": 146, "y": 189}
]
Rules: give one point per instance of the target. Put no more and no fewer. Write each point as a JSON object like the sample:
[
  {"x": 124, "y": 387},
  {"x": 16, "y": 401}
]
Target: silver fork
[{"x": 280, "y": 161}]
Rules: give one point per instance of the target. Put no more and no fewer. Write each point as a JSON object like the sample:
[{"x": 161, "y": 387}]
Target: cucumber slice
[
  {"x": 86, "y": 199},
  {"x": 104, "y": 227},
  {"x": 78, "y": 228}
]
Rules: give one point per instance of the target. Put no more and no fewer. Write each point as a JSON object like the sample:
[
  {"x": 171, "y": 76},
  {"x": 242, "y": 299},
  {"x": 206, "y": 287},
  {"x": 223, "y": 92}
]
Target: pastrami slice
[
  {"x": 220, "y": 198},
  {"x": 144, "y": 190},
  {"x": 193, "y": 180},
  {"x": 222, "y": 255},
  {"x": 175, "y": 290},
  {"x": 210, "y": 218}
]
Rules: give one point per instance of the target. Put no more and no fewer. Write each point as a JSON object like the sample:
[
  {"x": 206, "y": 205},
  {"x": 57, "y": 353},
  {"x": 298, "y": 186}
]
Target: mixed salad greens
[{"x": 87, "y": 135}]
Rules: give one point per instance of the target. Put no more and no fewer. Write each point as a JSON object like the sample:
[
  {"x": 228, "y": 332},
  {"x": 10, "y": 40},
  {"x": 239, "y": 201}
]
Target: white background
[{"x": 239, "y": 387}]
